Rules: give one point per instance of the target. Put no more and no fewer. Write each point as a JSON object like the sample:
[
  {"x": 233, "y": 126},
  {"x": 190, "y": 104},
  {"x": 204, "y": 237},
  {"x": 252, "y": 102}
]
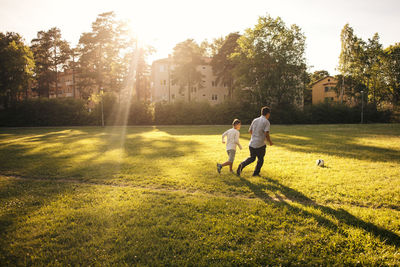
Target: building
[
  {"x": 324, "y": 90},
  {"x": 66, "y": 84},
  {"x": 163, "y": 89}
]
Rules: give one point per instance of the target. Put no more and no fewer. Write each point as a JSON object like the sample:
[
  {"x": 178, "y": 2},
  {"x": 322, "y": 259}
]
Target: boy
[
  {"x": 259, "y": 130},
  {"x": 232, "y": 139}
]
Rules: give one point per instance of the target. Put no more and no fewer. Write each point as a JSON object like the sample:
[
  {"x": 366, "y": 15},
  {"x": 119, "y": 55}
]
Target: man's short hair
[
  {"x": 236, "y": 122},
  {"x": 265, "y": 110}
]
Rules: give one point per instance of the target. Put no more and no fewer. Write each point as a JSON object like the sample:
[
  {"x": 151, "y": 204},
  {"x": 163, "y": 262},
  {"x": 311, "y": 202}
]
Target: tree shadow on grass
[
  {"x": 88, "y": 154},
  {"x": 284, "y": 196},
  {"x": 19, "y": 199},
  {"x": 194, "y": 129}
]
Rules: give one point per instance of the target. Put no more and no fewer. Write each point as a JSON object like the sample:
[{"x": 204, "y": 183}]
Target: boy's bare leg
[{"x": 228, "y": 163}]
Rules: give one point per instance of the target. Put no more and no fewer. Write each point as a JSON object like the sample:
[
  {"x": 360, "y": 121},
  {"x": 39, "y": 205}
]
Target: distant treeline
[{"x": 71, "y": 112}]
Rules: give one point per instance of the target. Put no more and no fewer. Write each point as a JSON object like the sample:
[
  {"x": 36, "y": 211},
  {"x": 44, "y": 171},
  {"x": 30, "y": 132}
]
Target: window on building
[
  {"x": 204, "y": 67},
  {"x": 165, "y": 82},
  {"x": 173, "y": 96},
  {"x": 214, "y": 97},
  {"x": 213, "y": 83},
  {"x": 225, "y": 84},
  {"x": 162, "y": 68},
  {"x": 326, "y": 88}
]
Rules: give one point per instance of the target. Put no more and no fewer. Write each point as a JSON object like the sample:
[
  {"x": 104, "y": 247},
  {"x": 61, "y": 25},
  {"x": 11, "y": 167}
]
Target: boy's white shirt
[{"x": 232, "y": 139}]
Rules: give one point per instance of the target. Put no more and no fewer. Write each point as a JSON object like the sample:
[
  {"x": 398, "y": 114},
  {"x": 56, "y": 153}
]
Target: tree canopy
[
  {"x": 187, "y": 57},
  {"x": 270, "y": 62},
  {"x": 17, "y": 66}
]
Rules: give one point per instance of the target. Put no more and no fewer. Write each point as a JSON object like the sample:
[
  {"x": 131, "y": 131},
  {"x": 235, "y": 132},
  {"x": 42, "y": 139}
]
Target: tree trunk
[
  {"x": 73, "y": 75},
  {"x": 55, "y": 67},
  {"x": 189, "y": 91},
  {"x": 230, "y": 90}
]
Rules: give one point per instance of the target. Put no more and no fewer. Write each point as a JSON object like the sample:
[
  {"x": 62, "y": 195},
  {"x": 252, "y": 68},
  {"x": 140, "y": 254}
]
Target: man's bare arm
[{"x": 268, "y": 138}]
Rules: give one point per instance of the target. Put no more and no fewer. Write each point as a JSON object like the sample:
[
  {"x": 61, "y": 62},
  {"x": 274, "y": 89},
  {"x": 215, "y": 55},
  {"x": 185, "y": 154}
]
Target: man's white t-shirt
[
  {"x": 258, "y": 127},
  {"x": 232, "y": 139}
]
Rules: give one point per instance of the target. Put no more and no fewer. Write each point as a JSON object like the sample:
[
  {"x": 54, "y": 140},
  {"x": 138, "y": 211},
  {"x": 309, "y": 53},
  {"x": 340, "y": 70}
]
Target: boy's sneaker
[
  {"x": 219, "y": 167},
  {"x": 239, "y": 170}
]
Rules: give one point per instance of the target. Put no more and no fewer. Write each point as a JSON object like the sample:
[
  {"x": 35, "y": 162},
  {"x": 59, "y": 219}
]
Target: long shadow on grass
[
  {"x": 340, "y": 140},
  {"x": 285, "y": 195}
]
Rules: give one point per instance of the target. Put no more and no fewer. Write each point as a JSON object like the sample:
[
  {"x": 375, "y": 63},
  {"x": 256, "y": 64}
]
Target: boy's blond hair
[{"x": 236, "y": 122}]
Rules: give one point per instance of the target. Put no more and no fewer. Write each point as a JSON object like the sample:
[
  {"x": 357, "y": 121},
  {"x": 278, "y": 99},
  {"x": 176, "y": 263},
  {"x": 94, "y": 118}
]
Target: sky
[{"x": 163, "y": 24}]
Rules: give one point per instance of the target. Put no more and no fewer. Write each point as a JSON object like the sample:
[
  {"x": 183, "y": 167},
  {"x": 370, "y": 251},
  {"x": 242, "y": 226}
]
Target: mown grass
[{"x": 152, "y": 196}]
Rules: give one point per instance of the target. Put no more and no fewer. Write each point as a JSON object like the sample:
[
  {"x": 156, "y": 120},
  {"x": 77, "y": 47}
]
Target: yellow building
[{"x": 324, "y": 90}]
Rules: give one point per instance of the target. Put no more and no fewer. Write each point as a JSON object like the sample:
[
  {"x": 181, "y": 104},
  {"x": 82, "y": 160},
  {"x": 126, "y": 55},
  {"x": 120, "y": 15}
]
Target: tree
[
  {"x": 360, "y": 63},
  {"x": 318, "y": 75},
  {"x": 51, "y": 54},
  {"x": 186, "y": 57},
  {"x": 105, "y": 56},
  {"x": 373, "y": 65},
  {"x": 391, "y": 69},
  {"x": 270, "y": 62},
  {"x": 72, "y": 64},
  {"x": 16, "y": 69},
  {"x": 142, "y": 68},
  {"x": 210, "y": 49},
  {"x": 222, "y": 63}
]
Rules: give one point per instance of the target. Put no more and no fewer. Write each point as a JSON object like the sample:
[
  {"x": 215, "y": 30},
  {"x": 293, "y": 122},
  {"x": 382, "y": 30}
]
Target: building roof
[
  {"x": 206, "y": 60},
  {"x": 322, "y": 79},
  {"x": 161, "y": 60}
]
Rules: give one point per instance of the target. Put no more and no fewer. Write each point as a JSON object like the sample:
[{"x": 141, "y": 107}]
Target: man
[{"x": 259, "y": 130}]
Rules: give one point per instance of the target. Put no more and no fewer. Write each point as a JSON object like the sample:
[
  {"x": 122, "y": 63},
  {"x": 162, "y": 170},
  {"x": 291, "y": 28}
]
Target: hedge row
[
  {"x": 70, "y": 112},
  {"x": 203, "y": 113},
  {"x": 47, "y": 112}
]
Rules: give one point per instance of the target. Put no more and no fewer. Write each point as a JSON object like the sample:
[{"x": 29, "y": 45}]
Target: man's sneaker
[
  {"x": 256, "y": 175},
  {"x": 219, "y": 167},
  {"x": 239, "y": 170}
]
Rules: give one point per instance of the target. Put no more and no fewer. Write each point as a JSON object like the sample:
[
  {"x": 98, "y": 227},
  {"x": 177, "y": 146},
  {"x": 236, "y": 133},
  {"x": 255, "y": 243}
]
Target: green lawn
[{"x": 152, "y": 196}]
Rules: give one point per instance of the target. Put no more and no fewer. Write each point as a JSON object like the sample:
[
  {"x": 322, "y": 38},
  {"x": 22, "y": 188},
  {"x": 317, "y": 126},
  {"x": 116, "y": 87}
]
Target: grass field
[{"x": 152, "y": 196}]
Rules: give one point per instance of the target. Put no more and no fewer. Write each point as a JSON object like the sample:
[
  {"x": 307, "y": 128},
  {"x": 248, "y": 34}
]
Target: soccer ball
[{"x": 320, "y": 162}]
